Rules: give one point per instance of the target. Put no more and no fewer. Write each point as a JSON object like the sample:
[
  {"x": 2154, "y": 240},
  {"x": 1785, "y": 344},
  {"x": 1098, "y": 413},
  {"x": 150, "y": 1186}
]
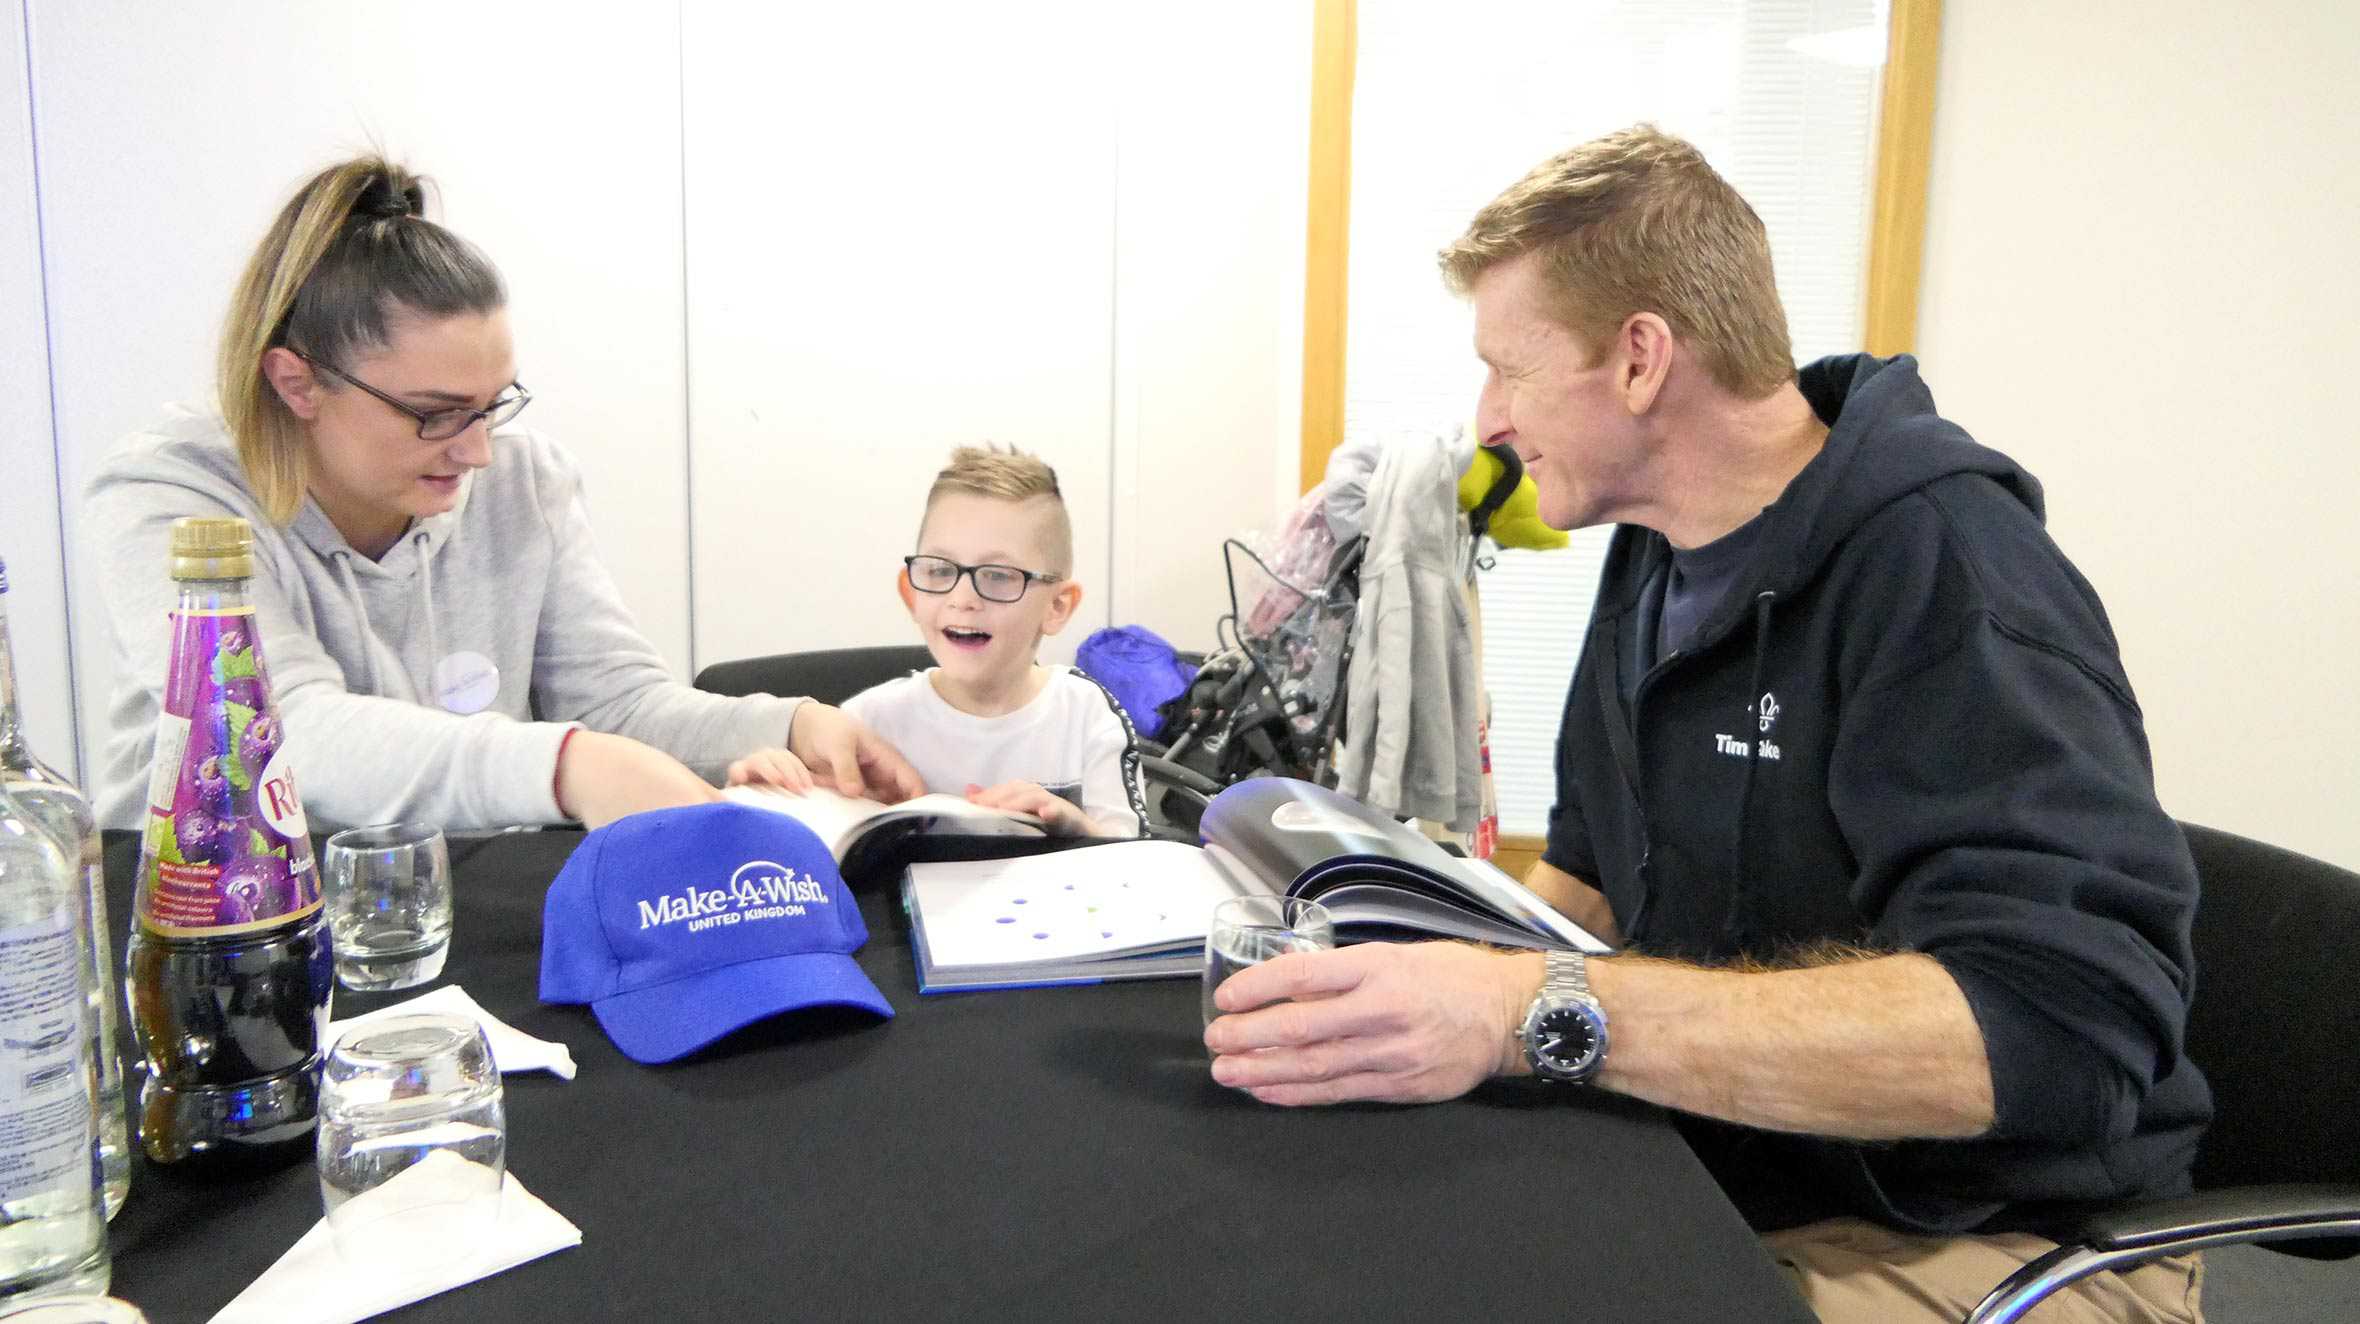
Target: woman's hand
[
  {"x": 842, "y": 753},
  {"x": 602, "y": 777},
  {"x": 771, "y": 767},
  {"x": 1062, "y": 816}
]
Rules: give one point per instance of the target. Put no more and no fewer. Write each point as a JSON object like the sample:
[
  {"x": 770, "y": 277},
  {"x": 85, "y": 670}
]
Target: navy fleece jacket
[{"x": 1905, "y": 727}]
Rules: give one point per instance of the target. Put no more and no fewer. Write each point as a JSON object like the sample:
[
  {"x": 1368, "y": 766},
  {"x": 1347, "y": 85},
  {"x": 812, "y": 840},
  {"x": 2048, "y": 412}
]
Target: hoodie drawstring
[
  {"x": 1733, "y": 923},
  {"x": 360, "y": 608},
  {"x": 422, "y": 540},
  {"x": 360, "y": 613}
]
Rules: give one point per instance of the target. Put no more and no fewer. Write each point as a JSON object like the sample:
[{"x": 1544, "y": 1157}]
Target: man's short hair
[
  {"x": 1008, "y": 474},
  {"x": 1637, "y": 222}
]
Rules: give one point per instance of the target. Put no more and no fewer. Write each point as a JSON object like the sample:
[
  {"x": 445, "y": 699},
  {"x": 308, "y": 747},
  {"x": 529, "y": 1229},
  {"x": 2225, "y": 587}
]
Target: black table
[{"x": 1048, "y": 1153}]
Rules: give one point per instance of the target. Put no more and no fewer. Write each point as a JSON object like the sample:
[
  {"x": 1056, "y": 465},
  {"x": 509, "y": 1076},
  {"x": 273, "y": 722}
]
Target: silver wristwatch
[{"x": 1565, "y": 1031}]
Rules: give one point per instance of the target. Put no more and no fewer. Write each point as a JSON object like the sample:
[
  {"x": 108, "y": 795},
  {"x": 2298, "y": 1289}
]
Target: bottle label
[
  {"x": 45, "y": 1112},
  {"x": 164, "y": 778},
  {"x": 227, "y": 849},
  {"x": 274, "y": 796}
]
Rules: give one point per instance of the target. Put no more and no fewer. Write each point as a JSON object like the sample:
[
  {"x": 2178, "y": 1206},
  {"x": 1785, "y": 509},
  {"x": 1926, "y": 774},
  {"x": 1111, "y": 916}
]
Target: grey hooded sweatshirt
[{"x": 351, "y": 644}]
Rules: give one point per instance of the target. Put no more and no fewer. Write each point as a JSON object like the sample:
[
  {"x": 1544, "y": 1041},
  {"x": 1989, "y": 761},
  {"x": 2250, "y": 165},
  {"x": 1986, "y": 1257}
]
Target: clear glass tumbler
[
  {"x": 1248, "y": 930},
  {"x": 413, "y": 1143},
  {"x": 389, "y": 905}
]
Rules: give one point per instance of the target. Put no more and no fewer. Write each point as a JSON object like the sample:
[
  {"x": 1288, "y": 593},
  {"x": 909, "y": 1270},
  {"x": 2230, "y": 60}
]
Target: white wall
[
  {"x": 1212, "y": 178},
  {"x": 1052, "y": 232},
  {"x": 2143, "y": 281},
  {"x": 851, "y": 238},
  {"x": 29, "y": 538},
  {"x": 898, "y": 242},
  {"x": 170, "y": 136}
]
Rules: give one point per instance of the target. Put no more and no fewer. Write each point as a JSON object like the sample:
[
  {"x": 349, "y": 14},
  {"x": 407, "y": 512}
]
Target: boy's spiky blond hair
[{"x": 1008, "y": 474}]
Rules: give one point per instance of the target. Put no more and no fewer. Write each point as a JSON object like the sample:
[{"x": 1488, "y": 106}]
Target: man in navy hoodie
[{"x": 1849, "y": 768}]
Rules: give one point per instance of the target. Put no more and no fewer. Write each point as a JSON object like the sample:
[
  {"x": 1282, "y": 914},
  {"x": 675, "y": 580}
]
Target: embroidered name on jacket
[
  {"x": 1765, "y": 714},
  {"x": 759, "y": 890}
]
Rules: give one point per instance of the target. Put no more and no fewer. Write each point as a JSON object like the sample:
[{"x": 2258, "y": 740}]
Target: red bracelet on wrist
[{"x": 557, "y": 774}]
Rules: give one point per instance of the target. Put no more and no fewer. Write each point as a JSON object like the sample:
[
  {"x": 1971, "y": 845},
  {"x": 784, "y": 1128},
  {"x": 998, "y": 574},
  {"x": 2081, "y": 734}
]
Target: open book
[
  {"x": 1139, "y": 909},
  {"x": 873, "y": 841}
]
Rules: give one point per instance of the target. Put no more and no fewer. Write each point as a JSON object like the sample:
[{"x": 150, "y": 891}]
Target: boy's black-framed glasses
[
  {"x": 436, "y": 424},
  {"x": 993, "y": 583}
]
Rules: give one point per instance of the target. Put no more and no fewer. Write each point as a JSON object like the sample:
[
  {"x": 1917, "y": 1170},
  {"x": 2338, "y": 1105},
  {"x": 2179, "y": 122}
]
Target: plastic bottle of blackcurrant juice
[{"x": 229, "y": 967}]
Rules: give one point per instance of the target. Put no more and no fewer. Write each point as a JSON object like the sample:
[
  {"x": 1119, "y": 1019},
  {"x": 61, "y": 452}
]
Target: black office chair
[
  {"x": 830, "y": 675},
  {"x": 1176, "y": 796},
  {"x": 2276, "y": 1028}
]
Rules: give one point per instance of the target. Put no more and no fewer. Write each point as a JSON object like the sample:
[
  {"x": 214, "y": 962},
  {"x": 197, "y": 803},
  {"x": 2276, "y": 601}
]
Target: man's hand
[
  {"x": 842, "y": 753},
  {"x": 1867, "y": 1047},
  {"x": 771, "y": 767},
  {"x": 1061, "y": 815},
  {"x": 602, "y": 777},
  {"x": 1379, "y": 1021}
]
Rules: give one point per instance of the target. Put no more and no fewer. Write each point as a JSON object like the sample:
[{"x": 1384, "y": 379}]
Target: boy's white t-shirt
[{"x": 1074, "y": 739}]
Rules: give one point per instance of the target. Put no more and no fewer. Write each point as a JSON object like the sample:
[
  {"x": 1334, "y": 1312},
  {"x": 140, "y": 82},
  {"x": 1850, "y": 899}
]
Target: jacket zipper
[{"x": 1633, "y": 778}]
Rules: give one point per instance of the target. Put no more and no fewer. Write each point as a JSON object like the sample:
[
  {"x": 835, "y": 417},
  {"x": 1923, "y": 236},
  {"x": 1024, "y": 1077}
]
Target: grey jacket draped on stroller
[{"x": 1410, "y": 731}]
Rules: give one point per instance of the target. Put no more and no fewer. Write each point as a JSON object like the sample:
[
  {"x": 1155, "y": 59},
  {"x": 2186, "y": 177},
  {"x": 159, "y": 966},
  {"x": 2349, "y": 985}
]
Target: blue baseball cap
[{"x": 679, "y": 926}]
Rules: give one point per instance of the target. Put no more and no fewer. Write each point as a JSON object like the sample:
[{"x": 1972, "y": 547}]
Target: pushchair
[{"x": 1272, "y": 701}]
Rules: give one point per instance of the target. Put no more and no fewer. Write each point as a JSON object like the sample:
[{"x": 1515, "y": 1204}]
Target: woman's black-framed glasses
[
  {"x": 436, "y": 424},
  {"x": 993, "y": 583}
]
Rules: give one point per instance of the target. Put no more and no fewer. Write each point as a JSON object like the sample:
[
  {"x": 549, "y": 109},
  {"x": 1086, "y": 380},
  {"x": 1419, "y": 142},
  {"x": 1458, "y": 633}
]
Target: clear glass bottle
[
  {"x": 228, "y": 968},
  {"x": 53, "y": 801},
  {"x": 53, "y": 1229}
]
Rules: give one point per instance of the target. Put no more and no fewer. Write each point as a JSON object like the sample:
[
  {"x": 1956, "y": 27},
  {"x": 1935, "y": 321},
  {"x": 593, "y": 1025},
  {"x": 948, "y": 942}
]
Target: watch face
[{"x": 1565, "y": 1040}]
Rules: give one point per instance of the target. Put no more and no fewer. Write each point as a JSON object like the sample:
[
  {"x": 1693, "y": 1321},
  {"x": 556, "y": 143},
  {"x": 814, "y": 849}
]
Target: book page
[
  {"x": 837, "y": 817},
  {"x": 1310, "y": 841},
  {"x": 1097, "y": 901},
  {"x": 1506, "y": 895},
  {"x": 830, "y": 814}
]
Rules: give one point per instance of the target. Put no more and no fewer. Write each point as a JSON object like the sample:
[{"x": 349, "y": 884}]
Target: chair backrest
[
  {"x": 830, "y": 675},
  {"x": 2276, "y": 1023}
]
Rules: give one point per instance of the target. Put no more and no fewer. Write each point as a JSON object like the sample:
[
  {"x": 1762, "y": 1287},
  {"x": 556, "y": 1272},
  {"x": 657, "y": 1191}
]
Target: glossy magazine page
[{"x": 1379, "y": 878}]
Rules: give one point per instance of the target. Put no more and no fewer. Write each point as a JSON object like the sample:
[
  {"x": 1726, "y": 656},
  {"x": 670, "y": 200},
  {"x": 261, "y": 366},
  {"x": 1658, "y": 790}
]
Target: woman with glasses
[{"x": 444, "y": 644}]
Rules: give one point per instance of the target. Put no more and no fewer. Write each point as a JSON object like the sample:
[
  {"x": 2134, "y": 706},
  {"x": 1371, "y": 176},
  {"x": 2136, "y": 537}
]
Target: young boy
[{"x": 992, "y": 577}]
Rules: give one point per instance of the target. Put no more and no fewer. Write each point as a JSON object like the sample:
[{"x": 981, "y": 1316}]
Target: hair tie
[{"x": 381, "y": 201}]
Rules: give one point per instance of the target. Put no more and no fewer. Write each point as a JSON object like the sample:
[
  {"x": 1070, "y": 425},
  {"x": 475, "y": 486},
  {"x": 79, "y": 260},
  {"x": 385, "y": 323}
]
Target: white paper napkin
[
  {"x": 314, "y": 1284},
  {"x": 512, "y": 1049}
]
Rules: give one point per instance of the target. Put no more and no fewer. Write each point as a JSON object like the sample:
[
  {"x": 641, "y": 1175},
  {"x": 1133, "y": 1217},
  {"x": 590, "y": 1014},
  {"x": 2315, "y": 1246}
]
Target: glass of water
[
  {"x": 413, "y": 1143},
  {"x": 389, "y": 905},
  {"x": 1248, "y": 930},
  {"x": 72, "y": 1310}
]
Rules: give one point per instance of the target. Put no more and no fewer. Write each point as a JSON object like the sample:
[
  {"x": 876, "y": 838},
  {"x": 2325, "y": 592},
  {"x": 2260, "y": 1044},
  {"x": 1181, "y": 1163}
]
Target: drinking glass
[
  {"x": 72, "y": 1310},
  {"x": 1248, "y": 930},
  {"x": 413, "y": 1143},
  {"x": 389, "y": 905}
]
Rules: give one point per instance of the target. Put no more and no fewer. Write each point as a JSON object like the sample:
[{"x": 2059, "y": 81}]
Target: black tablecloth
[{"x": 1048, "y": 1153}]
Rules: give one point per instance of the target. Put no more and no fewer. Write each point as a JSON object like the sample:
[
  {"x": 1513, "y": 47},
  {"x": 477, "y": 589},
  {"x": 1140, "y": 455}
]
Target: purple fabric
[{"x": 1139, "y": 668}]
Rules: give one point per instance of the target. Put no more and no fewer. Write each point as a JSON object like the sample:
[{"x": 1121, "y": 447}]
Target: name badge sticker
[{"x": 466, "y": 682}]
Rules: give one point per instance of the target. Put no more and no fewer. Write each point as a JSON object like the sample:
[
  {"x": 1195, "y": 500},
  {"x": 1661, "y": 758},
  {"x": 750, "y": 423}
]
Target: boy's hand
[
  {"x": 842, "y": 753},
  {"x": 1062, "y": 816},
  {"x": 771, "y": 767}
]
